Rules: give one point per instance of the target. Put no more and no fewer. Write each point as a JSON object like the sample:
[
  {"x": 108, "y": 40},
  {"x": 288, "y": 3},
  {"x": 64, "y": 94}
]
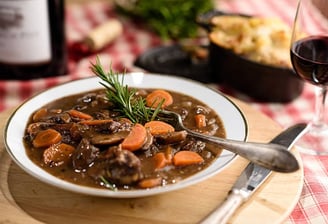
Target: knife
[{"x": 250, "y": 179}]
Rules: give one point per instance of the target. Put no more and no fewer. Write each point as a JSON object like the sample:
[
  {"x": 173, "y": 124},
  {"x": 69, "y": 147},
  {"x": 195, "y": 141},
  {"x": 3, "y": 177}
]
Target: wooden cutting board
[{"x": 24, "y": 199}]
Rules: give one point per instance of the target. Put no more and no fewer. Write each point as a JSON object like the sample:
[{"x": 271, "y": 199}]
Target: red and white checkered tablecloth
[{"x": 80, "y": 19}]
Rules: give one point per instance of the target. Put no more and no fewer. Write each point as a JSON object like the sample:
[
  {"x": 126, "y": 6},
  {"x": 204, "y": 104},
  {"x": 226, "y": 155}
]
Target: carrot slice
[
  {"x": 57, "y": 154},
  {"x": 157, "y": 96},
  {"x": 159, "y": 127},
  {"x": 200, "y": 120},
  {"x": 38, "y": 115},
  {"x": 160, "y": 160},
  {"x": 79, "y": 114},
  {"x": 136, "y": 138},
  {"x": 46, "y": 138},
  {"x": 150, "y": 182},
  {"x": 184, "y": 158}
]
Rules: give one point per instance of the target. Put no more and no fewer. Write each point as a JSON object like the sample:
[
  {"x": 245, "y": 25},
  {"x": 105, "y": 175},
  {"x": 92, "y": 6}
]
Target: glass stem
[{"x": 319, "y": 119}]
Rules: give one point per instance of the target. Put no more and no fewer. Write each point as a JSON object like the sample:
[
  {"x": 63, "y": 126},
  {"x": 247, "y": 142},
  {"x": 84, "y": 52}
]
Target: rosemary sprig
[
  {"x": 107, "y": 184},
  {"x": 123, "y": 97}
]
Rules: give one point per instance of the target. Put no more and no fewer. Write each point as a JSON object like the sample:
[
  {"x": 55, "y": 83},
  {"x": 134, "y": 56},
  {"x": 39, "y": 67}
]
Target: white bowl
[{"x": 233, "y": 121}]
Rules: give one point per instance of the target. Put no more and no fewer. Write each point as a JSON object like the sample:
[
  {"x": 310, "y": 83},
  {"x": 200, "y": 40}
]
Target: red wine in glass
[{"x": 309, "y": 57}]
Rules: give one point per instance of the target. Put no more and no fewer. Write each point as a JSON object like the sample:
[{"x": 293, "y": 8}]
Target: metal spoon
[{"x": 271, "y": 156}]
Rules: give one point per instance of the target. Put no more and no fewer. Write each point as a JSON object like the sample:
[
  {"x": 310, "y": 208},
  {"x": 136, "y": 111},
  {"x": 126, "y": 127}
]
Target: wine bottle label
[{"x": 24, "y": 32}]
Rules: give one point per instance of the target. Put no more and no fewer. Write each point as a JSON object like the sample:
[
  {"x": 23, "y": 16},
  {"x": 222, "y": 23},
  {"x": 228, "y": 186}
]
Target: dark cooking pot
[{"x": 260, "y": 81}]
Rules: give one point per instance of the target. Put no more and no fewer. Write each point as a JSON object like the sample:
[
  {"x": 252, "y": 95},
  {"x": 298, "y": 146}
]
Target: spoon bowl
[{"x": 271, "y": 156}]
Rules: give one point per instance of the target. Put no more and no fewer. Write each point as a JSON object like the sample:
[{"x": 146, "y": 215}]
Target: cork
[{"x": 103, "y": 34}]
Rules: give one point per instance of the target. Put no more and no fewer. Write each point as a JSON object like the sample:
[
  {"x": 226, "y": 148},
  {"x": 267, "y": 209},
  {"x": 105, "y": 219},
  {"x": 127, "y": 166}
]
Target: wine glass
[{"x": 309, "y": 56}]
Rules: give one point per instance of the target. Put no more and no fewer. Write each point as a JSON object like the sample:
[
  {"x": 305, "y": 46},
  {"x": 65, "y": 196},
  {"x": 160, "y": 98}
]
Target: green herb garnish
[
  {"x": 124, "y": 98},
  {"x": 107, "y": 184},
  {"x": 170, "y": 18}
]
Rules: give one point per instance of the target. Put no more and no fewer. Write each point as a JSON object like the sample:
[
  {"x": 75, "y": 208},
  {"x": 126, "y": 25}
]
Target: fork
[{"x": 271, "y": 156}]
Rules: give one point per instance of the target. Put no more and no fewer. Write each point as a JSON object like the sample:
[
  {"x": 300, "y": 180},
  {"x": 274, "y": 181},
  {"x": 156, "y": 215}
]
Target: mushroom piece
[
  {"x": 109, "y": 139},
  {"x": 171, "y": 137}
]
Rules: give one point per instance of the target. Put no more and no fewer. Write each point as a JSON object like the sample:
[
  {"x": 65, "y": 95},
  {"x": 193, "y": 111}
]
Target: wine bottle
[{"x": 32, "y": 39}]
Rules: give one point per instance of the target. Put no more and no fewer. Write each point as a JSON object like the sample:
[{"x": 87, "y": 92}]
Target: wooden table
[{"x": 24, "y": 199}]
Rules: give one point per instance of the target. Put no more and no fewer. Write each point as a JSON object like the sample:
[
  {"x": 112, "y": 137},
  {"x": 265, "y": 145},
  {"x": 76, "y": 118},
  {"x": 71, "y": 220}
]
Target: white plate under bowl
[{"x": 233, "y": 121}]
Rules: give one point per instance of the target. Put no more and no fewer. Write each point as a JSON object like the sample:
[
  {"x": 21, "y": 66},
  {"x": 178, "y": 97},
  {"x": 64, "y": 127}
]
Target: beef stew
[{"x": 87, "y": 149}]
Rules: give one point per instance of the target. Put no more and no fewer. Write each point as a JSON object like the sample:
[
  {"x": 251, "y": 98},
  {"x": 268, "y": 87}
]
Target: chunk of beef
[
  {"x": 151, "y": 151},
  {"x": 77, "y": 131},
  {"x": 84, "y": 155},
  {"x": 120, "y": 167},
  {"x": 102, "y": 115},
  {"x": 61, "y": 118},
  {"x": 112, "y": 126},
  {"x": 33, "y": 128},
  {"x": 194, "y": 145}
]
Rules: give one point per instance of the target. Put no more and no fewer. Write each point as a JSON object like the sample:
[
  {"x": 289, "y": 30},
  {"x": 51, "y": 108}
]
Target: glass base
[{"x": 314, "y": 141}]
